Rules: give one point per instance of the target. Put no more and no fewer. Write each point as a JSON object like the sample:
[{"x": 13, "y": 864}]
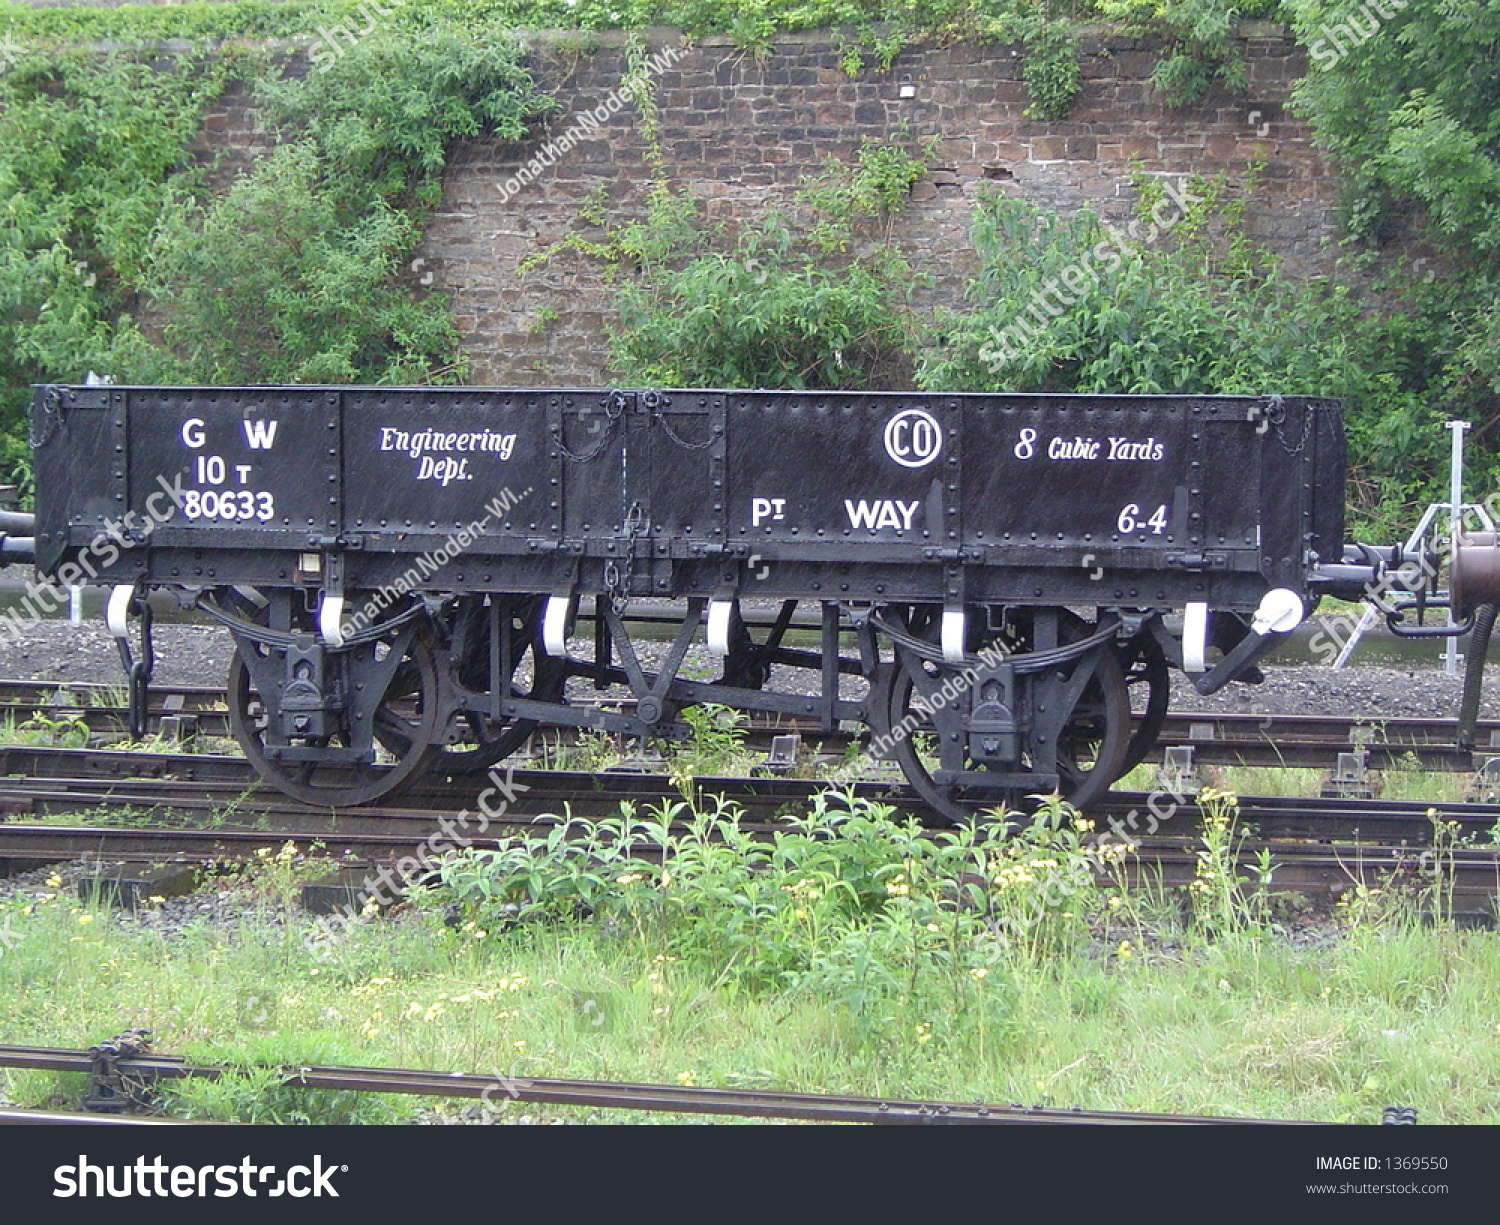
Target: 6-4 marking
[{"x": 1129, "y": 522}]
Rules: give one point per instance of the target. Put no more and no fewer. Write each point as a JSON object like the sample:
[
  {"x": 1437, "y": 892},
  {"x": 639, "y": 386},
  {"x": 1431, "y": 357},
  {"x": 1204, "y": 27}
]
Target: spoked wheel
[
  {"x": 1145, "y": 664},
  {"x": 1092, "y": 735},
  {"x": 404, "y": 723},
  {"x": 481, "y": 742},
  {"x": 1092, "y": 749}
]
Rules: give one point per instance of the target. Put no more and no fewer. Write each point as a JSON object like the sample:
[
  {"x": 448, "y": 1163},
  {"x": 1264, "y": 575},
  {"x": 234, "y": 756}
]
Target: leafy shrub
[
  {"x": 92, "y": 150},
  {"x": 1412, "y": 114},
  {"x": 290, "y": 277},
  {"x": 114, "y": 259},
  {"x": 810, "y": 303},
  {"x": 849, "y": 900}
]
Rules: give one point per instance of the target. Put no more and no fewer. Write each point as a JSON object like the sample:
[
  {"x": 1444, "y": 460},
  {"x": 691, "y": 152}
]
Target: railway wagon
[{"x": 419, "y": 577}]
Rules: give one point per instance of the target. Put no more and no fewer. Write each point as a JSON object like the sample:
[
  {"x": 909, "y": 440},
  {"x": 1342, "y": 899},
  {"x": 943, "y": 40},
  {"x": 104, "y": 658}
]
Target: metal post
[{"x": 1456, "y": 506}]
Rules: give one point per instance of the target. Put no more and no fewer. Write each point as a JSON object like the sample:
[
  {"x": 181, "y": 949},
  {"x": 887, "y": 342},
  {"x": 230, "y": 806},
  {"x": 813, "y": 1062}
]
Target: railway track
[
  {"x": 675, "y": 1099},
  {"x": 194, "y": 809},
  {"x": 1473, "y": 874},
  {"x": 1300, "y": 741},
  {"x": 225, "y": 791}
]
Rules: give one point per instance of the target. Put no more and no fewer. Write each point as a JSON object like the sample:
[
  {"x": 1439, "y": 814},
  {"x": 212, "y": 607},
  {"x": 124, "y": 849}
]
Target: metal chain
[
  {"x": 616, "y": 583},
  {"x": 614, "y": 412},
  {"x": 1276, "y": 414},
  {"x": 678, "y": 439}
]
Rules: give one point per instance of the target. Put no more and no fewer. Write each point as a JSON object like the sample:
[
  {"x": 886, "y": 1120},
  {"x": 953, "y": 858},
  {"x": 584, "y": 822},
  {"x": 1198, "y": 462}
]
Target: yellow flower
[
  {"x": 687, "y": 1078},
  {"x": 54, "y": 881},
  {"x": 978, "y": 973},
  {"x": 85, "y": 918}
]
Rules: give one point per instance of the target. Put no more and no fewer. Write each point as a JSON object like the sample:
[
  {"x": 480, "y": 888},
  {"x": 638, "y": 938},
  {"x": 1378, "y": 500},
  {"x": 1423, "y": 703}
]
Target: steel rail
[
  {"x": 677, "y": 1099},
  {"x": 1466, "y": 873},
  {"x": 56, "y": 782}
]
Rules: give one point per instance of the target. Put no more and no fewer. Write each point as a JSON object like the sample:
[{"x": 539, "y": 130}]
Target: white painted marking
[
  {"x": 1194, "y": 637},
  {"x": 117, "y": 610},
  {"x": 331, "y": 619},
  {"x": 719, "y": 613},
  {"x": 555, "y": 625},
  {"x": 953, "y": 635}
]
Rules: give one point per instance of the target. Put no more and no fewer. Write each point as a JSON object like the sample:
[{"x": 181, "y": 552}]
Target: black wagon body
[{"x": 934, "y": 533}]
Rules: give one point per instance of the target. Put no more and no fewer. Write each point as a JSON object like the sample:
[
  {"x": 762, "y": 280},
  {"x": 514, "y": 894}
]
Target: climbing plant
[
  {"x": 813, "y": 296},
  {"x": 116, "y": 258},
  {"x": 292, "y": 275}
]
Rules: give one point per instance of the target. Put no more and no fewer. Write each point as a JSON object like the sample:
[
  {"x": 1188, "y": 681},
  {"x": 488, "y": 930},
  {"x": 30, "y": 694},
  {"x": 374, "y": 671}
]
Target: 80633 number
[{"x": 229, "y": 505}]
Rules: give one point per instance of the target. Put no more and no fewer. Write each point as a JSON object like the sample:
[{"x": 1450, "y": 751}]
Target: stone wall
[{"x": 741, "y": 132}]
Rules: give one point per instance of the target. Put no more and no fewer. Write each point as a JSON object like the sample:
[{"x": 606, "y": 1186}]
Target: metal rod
[
  {"x": 1456, "y": 505},
  {"x": 750, "y": 1103}
]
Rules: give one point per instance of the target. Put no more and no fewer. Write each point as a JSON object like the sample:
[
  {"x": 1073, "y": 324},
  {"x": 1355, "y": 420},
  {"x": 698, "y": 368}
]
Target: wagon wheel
[
  {"x": 405, "y": 723},
  {"x": 1096, "y": 740},
  {"x": 1090, "y": 751},
  {"x": 481, "y": 742},
  {"x": 1145, "y": 663}
]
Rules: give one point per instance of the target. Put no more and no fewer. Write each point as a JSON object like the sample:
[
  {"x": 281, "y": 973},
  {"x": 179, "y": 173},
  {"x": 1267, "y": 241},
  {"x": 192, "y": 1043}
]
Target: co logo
[{"x": 913, "y": 437}]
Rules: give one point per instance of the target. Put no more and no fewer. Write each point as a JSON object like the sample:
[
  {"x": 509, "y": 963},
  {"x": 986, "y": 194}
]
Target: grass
[
  {"x": 1401, "y": 1016},
  {"x": 1407, "y": 783},
  {"x": 1131, "y": 1002},
  {"x": 57, "y": 729}
]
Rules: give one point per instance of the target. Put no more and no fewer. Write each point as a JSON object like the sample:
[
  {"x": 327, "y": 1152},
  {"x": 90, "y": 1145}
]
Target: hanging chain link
[
  {"x": 616, "y": 582},
  {"x": 614, "y": 412}
]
